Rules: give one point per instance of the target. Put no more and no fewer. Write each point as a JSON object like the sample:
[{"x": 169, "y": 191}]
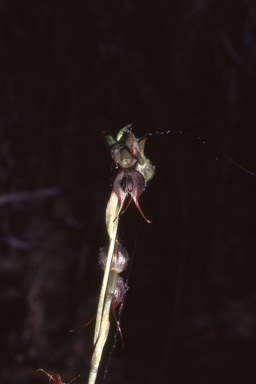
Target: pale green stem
[
  {"x": 111, "y": 212},
  {"x": 104, "y": 329}
]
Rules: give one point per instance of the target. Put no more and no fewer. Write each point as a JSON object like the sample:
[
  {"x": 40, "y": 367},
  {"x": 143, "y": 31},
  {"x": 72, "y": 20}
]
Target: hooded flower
[
  {"x": 134, "y": 168},
  {"x": 132, "y": 183}
]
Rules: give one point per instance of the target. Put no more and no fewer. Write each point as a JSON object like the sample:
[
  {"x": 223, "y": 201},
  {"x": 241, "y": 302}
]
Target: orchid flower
[{"x": 134, "y": 168}]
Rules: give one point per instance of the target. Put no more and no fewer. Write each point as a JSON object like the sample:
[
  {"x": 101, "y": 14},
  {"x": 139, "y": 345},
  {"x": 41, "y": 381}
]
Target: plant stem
[
  {"x": 112, "y": 224},
  {"x": 104, "y": 328}
]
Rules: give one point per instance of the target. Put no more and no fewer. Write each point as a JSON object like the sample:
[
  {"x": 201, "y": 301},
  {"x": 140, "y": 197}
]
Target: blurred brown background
[{"x": 70, "y": 70}]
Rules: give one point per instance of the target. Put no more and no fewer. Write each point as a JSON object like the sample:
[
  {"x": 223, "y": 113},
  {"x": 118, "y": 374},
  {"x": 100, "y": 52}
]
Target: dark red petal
[
  {"x": 121, "y": 194},
  {"x": 129, "y": 202},
  {"x": 131, "y": 144},
  {"x": 138, "y": 187},
  {"x": 116, "y": 300}
]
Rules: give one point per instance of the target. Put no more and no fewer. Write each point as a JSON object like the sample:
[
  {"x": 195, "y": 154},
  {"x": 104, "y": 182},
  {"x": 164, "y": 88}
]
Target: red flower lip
[
  {"x": 132, "y": 183},
  {"x": 135, "y": 170}
]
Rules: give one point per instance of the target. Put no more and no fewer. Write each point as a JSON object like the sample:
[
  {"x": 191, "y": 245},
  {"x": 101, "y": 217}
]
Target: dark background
[{"x": 70, "y": 70}]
